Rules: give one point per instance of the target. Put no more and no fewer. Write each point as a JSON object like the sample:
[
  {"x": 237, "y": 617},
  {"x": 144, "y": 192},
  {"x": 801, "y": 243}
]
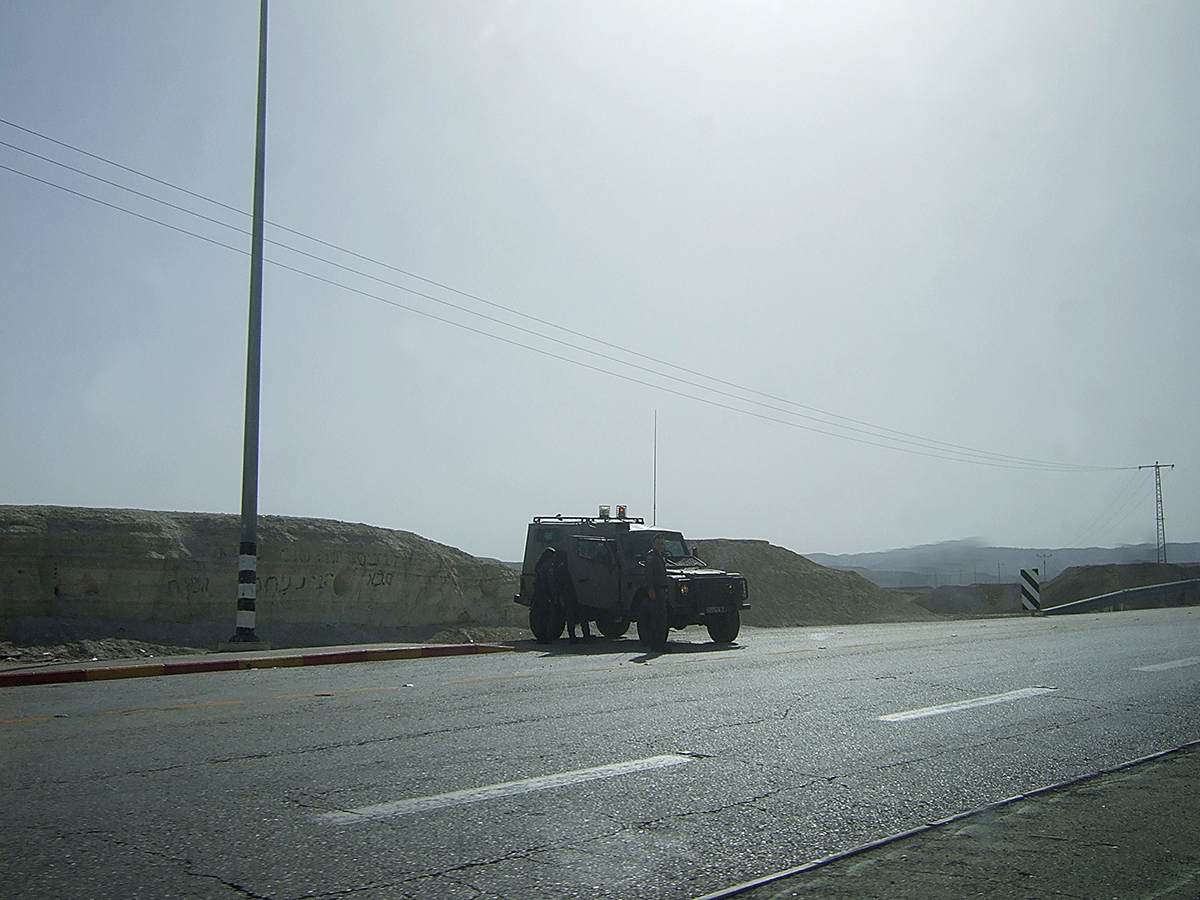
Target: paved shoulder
[{"x": 1129, "y": 833}]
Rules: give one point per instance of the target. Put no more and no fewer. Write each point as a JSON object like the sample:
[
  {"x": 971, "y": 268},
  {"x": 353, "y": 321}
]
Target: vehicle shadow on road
[
  {"x": 675, "y": 648},
  {"x": 602, "y": 646}
]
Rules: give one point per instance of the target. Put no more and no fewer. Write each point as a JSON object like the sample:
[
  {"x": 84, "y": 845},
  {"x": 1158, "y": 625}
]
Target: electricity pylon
[{"x": 1158, "y": 508}]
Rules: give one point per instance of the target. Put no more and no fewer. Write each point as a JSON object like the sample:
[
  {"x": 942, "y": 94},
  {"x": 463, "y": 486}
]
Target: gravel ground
[
  {"x": 76, "y": 651},
  {"x": 481, "y": 634}
]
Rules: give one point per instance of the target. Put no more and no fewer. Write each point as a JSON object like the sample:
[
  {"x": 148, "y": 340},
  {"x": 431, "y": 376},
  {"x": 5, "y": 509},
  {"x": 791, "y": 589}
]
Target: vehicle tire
[
  {"x": 614, "y": 627},
  {"x": 546, "y": 620},
  {"x": 653, "y": 624},
  {"x": 724, "y": 628}
]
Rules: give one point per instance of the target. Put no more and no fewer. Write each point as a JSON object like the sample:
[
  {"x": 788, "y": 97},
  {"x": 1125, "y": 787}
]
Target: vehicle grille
[{"x": 714, "y": 592}]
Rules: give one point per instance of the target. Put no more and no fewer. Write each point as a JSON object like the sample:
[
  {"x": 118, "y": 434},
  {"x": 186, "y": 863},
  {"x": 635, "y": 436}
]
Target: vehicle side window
[
  {"x": 630, "y": 546},
  {"x": 592, "y": 548}
]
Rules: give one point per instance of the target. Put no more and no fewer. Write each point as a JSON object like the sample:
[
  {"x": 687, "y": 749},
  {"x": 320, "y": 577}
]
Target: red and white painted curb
[{"x": 222, "y": 662}]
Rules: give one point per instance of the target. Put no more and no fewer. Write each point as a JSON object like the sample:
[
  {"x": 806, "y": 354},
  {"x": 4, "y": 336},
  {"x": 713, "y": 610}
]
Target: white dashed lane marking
[
  {"x": 961, "y": 705},
  {"x": 504, "y": 789},
  {"x": 1175, "y": 664}
]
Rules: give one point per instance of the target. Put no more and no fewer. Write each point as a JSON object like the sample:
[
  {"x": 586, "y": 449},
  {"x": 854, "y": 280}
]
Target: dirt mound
[
  {"x": 1082, "y": 582},
  {"x": 83, "y": 583},
  {"x": 70, "y": 574},
  {"x": 973, "y": 600},
  {"x": 1074, "y": 583},
  {"x": 787, "y": 589}
]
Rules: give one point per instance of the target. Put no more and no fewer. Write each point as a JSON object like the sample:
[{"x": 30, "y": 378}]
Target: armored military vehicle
[{"x": 583, "y": 569}]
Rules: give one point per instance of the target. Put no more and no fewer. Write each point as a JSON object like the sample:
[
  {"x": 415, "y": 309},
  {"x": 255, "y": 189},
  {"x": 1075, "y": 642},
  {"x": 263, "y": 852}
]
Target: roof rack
[{"x": 584, "y": 520}]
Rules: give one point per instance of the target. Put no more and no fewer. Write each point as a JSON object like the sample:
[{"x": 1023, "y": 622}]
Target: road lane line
[
  {"x": 1175, "y": 664},
  {"x": 966, "y": 704},
  {"x": 504, "y": 789}
]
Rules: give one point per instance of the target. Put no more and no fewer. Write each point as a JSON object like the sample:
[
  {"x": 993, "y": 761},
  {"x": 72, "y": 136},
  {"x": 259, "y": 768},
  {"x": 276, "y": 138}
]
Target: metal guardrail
[{"x": 1117, "y": 599}]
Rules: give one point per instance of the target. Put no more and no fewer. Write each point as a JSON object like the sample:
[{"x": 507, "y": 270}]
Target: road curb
[{"x": 225, "y": 663}]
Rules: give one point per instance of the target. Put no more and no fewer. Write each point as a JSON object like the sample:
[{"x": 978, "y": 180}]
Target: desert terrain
[{"x": 81, "y": 583}]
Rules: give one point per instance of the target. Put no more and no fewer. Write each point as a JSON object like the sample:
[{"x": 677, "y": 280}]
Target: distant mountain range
[{"x": 970, "y": 562}]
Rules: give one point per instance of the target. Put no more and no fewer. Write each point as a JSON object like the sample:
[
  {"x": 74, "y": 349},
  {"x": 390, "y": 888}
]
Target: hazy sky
[{"x": 952, "y": 225}]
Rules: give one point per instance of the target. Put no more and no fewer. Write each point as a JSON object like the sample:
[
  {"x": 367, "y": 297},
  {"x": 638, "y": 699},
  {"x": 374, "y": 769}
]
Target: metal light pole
[{"x": 248, "y": 547}]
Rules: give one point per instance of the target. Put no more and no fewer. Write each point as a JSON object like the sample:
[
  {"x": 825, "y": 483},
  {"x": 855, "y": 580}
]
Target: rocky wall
[{"x": 181, "y": 568}]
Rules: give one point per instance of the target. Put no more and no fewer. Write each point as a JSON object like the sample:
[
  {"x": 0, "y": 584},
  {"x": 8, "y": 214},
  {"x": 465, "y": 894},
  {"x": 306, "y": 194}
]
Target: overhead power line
[
  {"x": 1117, "y": 512},
  {"x": 723, "y": 394}
]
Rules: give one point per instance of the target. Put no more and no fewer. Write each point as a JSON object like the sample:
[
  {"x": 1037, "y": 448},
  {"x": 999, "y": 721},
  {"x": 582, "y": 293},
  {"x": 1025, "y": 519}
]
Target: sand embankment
[{"x": 70, "y": 573}]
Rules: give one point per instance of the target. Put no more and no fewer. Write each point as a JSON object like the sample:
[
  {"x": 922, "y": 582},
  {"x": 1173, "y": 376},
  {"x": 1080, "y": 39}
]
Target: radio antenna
[{"x": 654, "y": 497}]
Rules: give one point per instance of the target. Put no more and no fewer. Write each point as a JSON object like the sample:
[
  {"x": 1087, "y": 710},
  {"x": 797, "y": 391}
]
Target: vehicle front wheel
[
  {"x": 614, "y": 627},
  {"x": 724, "y": 628},
  {"x": 653, "y": 624},
  {"x": 546, "y": 621}
]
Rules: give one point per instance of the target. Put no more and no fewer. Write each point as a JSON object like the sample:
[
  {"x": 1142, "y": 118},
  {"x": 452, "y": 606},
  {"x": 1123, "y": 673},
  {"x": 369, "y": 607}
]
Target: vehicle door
[{"x": 594, "y": 572}]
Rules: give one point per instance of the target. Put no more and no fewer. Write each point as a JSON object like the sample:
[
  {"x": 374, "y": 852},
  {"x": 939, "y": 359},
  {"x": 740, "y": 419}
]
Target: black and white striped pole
[
  {"x": 1031, "y": 590},
  {"x": 247, "y": 588}
]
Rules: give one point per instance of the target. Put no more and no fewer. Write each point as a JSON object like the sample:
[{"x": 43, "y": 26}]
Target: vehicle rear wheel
[
  {"x": 724, "y": 628},
  {"x": 614, "y": 627},
  {"x": 653, "y": 625},
  {"x": 546, "y": 620}
]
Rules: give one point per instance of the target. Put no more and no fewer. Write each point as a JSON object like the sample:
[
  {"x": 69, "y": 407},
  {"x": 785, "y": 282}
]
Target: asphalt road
[{"x": 590, "y": 771}]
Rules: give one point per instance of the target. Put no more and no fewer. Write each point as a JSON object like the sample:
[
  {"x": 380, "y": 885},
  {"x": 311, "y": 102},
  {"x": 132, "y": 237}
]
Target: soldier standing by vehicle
[
  {"x": 654, "y": 619},
  {"x": 656, "y": 569}
]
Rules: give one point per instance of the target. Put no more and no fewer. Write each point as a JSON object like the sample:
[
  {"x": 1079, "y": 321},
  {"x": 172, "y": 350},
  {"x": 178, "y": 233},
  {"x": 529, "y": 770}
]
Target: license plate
[{"x": 714, "y": 610}]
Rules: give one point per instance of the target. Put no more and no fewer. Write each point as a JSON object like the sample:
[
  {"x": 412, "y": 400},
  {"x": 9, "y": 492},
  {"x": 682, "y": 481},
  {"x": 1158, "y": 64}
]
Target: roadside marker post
[{"x": 1031, "y": 590}]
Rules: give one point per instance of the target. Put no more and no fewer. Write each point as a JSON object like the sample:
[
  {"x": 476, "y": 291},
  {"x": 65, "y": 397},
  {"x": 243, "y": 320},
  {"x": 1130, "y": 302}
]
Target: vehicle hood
[{"x": 695, "y": 571}]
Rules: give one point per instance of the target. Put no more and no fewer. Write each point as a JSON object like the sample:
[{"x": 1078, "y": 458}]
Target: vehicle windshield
[{"x": 637, "y": 543}]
